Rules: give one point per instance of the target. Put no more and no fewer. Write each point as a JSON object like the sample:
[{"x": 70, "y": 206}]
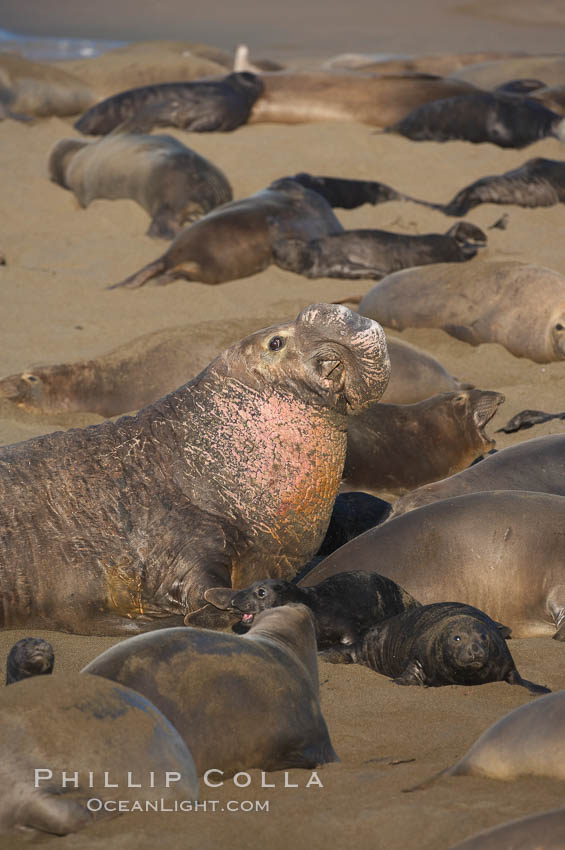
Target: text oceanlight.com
[{"x": 95, "y": 804}]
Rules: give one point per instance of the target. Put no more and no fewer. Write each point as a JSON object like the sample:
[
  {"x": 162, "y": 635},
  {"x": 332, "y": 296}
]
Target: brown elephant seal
[
  {"x": 393, "y": 448},
  {"x": 538, "y": 182},
  {"x": 542, "y": 831},
  {"x": 506, "y": 120},
  {"x": 500, "y": 551},
  {"x": 537, "y": 465},
  {"x": 360, "y": 254},
  {"x": 200, "y": 106},
  {"x": 520, "y": 306},
  {"x": 344, "y": 606},
  {"x": 235, "y": 240},
  {"x": 72, "y": 744},
  {"x": 39, "y": 90},
  {"x": 229, "y": 479},
  {"x": 143, "y": 370},
  {"x": 29, "y": 657},
  {"x": 446, "y": 643},
  {"x": 174, "y": 184},
  {"x": 238, "y": 702},
  {"x": 529, "y": 741}
]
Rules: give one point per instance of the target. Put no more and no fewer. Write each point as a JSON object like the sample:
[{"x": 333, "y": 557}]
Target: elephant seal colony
[
  {"x": 446, "y": 551},
  {"x": 198, "y": 678},
  {"x": 174, "y": 184},
  {"x": 446, "y": 643},
  {"x": 215, "y": 485},
  {"x": 93, "y": 732},
  {"x": 520, "y": 306},
  {"x": 537, "y": 465}
]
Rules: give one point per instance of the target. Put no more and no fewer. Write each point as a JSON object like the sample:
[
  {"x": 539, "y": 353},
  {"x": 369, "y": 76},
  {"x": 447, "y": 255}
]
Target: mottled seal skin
[
  {"x": 520, "y": 306},
  {"x": 506, "y": 120},
  {"x": 392, "y": 449},
  {"x": 360, "y": 254},
  {"x": 235, "y": 240},
  {"x": 537, "y": 465},
  {"x": 141, "y": 371},
  {"x": 500, "y": 551},
  {"x": 29, "y": 657},
  {"x": 446, "y": 643},
  {"x": 87, "y": 726},
  {"x": 122, "y": 526},
  {"x": 238, "y": 702},
  {"x": 344, "y": 606},
  {"x": 538, "y": 182},
  {"x": 200, "y": 106},
  {"x": 543, "y": 831},
  {"x": 174, "y": 184}
]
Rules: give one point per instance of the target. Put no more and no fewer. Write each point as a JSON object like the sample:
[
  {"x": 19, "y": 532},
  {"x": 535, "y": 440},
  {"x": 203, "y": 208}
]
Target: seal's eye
[
  {"x": 261, "y": 592},
  {"x": 276, "y": 343},
  {"x": 456, "y": 637},
  {"x": 558, "y": 326},
  {"x": 32, "y": 378}
]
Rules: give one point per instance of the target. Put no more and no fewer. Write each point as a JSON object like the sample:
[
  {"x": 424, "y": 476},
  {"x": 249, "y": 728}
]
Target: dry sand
[{"x": 55, "y": 308}]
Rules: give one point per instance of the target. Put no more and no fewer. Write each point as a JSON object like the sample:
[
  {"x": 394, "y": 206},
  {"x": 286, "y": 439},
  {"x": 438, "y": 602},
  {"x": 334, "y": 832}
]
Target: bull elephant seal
[
  {"x": 538, "y": 182},
  {"x": 360, "y": 254},
  {"x": 66, "y": 739},
  {"x": 344, "y": 606},
  {"x": 506, "y": 120},
  {"x": 238, "y": 702},
  {"x": 174, "y": 184},
  {"x": 537, "y": 465},
  {"x": 520, "y": 306},
  {"x": 542, "y": 831},
  {"x": 392, "y": 448},
  {"x": 229, "y": 479},
  {"x": 502, "y": 552},
  {"x": 200, "y": 106},
  {"x": 141, "y": 371},
  {"x": 29, "y": 657},
  {"x": 235, "y": 241},
  {"x": 446, "y": 643}
]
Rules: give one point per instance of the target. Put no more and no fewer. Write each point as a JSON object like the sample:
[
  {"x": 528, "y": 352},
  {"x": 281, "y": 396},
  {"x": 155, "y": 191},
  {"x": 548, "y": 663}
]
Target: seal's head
[
  {"x": 25, "y": 389},
  {"x": 471, "y": 649},
  {"x": 29, "y": 657},
  {"x": 558, "y": 336},
  {"x": 478, "y": 407},
  {"x": 60, "y": 158},
  {"x": 269, "y": 593}
]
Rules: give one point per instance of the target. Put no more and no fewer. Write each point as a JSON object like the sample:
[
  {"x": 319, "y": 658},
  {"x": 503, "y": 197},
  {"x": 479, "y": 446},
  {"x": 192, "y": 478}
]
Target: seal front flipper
[
  {"x": 514, "y": 678},
  {"x": 412, "y": 675}
]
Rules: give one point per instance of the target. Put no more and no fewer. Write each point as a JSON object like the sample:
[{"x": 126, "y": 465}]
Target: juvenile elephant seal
[
  {"x": 29, "y": 657},
  {"x": 141, "y": 371},
  {"x": 360, "y": 254},
  {"x": 229, "y": 479},
  {"x": 538, "y": 182},
  {"x": 344, "y": 606},
  {"x": 446, "y": 643},
  {"x": 238, "y": 702},
  {"x": 506, "y": 120},
  {"x": 392, "y": 448},
  {"x": 349, "y": 194},
  {"x": 66, "y": 740},
  {"x": 542, "y": 831},
  {"x": 235, "y": 240},
  {"x": 174, "y": 184},
  {"x": 517, "y": 305},
  {"x": 201, "y": 106},
  {"x": 537, "y": 465},
  {"x": 502, "y": 552}
]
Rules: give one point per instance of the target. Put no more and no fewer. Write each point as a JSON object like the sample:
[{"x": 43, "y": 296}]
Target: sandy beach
[{"x": 55, "y": 308}]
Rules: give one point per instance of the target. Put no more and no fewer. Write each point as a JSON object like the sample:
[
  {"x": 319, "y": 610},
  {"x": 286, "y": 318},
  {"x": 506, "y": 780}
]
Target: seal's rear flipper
[
  {"x": 141, "y": 277},
  {"x": 514, "y": 678}
]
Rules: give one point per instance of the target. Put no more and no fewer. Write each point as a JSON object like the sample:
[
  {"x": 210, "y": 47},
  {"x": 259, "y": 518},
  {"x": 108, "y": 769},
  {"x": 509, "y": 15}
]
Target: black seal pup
[
  {"x": 29, "y": 657},
  {"x": 446, "y": 643}
]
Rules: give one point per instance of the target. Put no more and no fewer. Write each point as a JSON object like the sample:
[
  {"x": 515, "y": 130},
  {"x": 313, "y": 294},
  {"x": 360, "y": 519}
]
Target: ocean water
[{"x": 53, "y": 48}]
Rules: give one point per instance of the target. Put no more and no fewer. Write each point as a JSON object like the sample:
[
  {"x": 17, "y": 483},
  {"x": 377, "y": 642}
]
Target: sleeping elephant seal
[
  {"x": 238, "y": 702},
  {"x": 29, "y": 657},
  {"x": 344, "y": 606},
  {"x": 538, "y": 182},
  {"x": 123, "y": 526},
  {"x": 542, "y": 831},
  {"x": 537, "y": 465},
  {"x": 360, "y": 254},
  {"x": 235, "y": 240},
  {"x": 502, "y": 552},
  {"x": 69, "y": 744},
  {"x": 141, "y": 371},
  {"x": 392, "y": 448},
  {"x": 520, "y": 306},
  {"x": 446, "y": 643},
  {"x": 202, "y": 106},
  {"x": 506, "y": 120},
  {"x": 174, "y": 184},
  {"x": 39, "y": 89}
]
